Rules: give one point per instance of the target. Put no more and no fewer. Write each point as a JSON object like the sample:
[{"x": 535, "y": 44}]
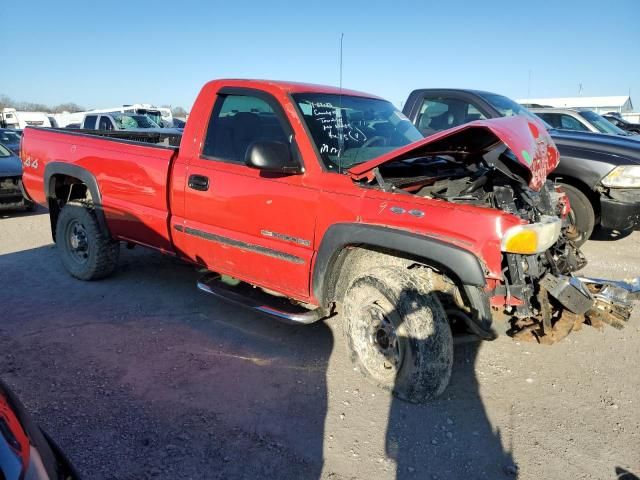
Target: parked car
[
  {"x": 331, "y": 199},
  {"x": 600, "y": 173},
  {"x": 580, "y": 120},
  {"x": 26, "y": 451},
  {"x": 131, "y": 122},
  {"x": 623, "y": 124},
  {"x": 11, "y": 191},
  {"x": 117, "y": 121},
  {"x": 10, "y": 138}
]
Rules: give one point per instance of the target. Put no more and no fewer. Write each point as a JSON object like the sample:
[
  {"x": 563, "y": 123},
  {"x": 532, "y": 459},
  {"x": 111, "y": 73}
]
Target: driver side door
[{"x": 241, "y": 221}]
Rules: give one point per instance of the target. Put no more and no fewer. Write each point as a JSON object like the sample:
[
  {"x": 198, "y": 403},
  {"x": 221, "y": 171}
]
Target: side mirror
[{"x": 271, "y": 156}]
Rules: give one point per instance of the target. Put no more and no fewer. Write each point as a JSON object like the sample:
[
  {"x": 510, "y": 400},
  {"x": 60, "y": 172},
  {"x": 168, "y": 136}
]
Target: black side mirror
[{"x": 271, "y": 156}]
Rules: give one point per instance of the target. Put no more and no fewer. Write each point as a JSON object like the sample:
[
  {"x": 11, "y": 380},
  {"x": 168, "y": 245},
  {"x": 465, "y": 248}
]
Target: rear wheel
[
  {"x": 398, "y": 333},
  {"x": 582, "y": 217},
  {"x": 86, "y": 251}
]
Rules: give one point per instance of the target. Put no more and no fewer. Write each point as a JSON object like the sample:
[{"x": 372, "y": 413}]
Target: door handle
[{"x": 199, "y": 182}]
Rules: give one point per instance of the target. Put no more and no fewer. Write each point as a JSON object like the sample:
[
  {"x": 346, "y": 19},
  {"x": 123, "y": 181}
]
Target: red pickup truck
[{"x": 328, "y": 199}]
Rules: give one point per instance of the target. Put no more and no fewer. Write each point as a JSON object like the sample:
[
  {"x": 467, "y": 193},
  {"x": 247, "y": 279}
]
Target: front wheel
[
  {"x": 86, "y": 251},
  {"x": 582, "y": 217},
  {"x": 398, "y": 334}
]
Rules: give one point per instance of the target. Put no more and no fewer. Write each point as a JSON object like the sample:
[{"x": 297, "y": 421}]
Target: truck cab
[{"x": 118, "y": 121}]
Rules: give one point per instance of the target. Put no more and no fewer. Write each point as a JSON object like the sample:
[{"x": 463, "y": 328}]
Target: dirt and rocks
[{"x": 140, "y": 376}]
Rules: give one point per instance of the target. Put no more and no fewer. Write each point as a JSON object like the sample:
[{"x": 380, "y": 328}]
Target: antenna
[
  {"x": 529, "y": 86},
  {"x": 339, "y": 112},
  {"x": 341, "y": 37}
]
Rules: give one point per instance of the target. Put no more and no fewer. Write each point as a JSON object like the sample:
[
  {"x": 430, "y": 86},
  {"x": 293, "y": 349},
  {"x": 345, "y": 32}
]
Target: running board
[{"x": 254, "y": 298}]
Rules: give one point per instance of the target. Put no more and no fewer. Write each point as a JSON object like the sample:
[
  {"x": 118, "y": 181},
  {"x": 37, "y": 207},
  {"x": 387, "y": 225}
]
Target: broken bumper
[
  {"x": 600, "y": 301},
  {"x": 566, "y": 302}
]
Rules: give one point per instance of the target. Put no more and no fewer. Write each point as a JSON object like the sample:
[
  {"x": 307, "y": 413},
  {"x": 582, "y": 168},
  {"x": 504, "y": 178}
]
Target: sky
[{"x": 104, "y": 54}]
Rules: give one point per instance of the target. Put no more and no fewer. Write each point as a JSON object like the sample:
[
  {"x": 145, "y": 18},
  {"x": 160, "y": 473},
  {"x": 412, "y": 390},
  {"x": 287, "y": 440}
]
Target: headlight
[
  {"x": 532, "y": 238},
  {"x": 623, "y": 176}
]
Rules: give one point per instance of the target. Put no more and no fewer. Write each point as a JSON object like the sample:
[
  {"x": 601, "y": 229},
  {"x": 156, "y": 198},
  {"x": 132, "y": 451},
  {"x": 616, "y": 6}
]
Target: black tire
[
  {"x": 398, "y": 333},
  {"x": 582, "y": 216},
  {"x": 86, "y": 251}
]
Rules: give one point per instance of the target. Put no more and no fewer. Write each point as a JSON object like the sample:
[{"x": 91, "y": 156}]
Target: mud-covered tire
[
  {"x": 86, "y": 251},
  {"x": 417, "y": 364},
  {"x": 582, "y": 216}
]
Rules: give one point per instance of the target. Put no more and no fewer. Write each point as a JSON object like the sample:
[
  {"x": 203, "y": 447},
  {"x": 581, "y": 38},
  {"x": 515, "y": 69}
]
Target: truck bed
[
  {"x": 153, "y": 137},
  {"x": 130, "y": 169}
]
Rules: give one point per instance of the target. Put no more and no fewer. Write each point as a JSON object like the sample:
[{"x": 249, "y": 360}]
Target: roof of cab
[{"x": 291, "y": 87}]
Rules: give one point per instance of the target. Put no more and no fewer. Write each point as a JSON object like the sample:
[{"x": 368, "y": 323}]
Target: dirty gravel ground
[{"x": 141, "y": 376}]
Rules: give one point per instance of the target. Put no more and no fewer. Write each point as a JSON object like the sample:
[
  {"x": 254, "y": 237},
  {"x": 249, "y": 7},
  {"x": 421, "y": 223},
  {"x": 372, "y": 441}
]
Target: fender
[
  {"x": 86, "y": 177},
  {"x": 461, "y": 264}
]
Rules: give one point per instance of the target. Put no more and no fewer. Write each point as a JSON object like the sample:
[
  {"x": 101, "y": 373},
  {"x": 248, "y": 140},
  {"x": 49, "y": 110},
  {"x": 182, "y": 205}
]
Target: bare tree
[
  {"x": 179, "y": 112},
  {"x": 67, "y": 107},
  {"x": 8, "y": 102}
]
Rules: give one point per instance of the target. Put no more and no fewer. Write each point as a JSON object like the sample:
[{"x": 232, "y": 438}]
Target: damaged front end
[
  {"x": 564, "y": 303},
  {"x": 503, "y": 164}
]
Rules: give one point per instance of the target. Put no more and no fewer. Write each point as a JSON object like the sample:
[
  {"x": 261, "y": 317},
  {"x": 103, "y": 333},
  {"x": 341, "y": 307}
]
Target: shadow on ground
[{"x": 141, "y": 376}]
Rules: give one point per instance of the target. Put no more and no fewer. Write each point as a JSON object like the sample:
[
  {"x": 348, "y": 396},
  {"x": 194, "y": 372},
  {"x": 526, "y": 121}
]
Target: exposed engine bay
[{"x": 539, "y": 296}]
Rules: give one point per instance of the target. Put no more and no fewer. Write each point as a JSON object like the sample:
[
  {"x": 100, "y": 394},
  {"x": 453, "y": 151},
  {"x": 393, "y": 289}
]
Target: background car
[
  {"x": 623, "y": 124},
  {"x": 10, "y": 138},
  {"x": 579, "y": 120},
  {"x": 11, "y": 192},
  {"x": 26, "y": 451},
  {"x": 599, "y": 173}
]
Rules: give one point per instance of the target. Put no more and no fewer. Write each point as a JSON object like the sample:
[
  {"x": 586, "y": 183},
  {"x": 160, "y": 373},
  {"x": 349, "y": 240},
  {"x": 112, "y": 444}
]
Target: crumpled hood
[
  {"x": 525, "y": 137},
  {"x": 10, "y": 166}
]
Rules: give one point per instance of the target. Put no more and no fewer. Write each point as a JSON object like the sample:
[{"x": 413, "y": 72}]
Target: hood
[
  {"x": 618, "y": 145},
  {"x": 527, "y": 139},
  {"x": 10, "y": 166}
]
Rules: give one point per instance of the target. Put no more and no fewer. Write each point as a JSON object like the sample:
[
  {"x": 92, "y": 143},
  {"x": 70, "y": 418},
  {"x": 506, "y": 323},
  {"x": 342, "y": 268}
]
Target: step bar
[{"x": 247, "y": 296}]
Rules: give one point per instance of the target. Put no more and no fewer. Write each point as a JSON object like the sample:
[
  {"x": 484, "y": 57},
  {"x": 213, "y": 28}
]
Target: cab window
[
  {"x": 105, "y": 123},
  {"x": 569, "y": 123},
  {"x": 90, "y": 122},
  {"x": 236, "y": 122},
  {"x": 437, "y": 114}
]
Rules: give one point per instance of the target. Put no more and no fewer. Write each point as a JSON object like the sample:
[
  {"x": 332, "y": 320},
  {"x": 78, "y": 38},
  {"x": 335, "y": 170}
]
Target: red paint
[
  {"x": 12, "y": 422},
  {"x": 144, "y": 196}
]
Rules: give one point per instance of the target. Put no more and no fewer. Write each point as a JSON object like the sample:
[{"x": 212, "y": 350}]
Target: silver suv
[{"x": 577, "y": 119}]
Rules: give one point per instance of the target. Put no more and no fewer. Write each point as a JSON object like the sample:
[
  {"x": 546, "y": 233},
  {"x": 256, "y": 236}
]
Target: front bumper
[
  {"x": 620, "y": 209},
  {"x": 577, "y": 300}
]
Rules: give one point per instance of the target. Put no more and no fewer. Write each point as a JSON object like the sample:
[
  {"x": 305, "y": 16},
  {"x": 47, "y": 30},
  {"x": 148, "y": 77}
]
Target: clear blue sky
[{"x": 105, "y": 53}]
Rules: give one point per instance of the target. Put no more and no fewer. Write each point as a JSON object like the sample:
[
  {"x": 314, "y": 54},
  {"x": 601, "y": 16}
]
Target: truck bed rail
[{"x": 155, "y": 138}]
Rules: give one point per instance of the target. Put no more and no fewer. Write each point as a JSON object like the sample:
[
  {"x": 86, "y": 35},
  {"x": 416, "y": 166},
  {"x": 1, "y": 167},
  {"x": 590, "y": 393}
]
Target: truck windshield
[
  {"x": 126, "y": 121},
  {"x": 348, "y": 130},
  {"x": 602, "y": 124},
  {"x": 509, "y": 108}
]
